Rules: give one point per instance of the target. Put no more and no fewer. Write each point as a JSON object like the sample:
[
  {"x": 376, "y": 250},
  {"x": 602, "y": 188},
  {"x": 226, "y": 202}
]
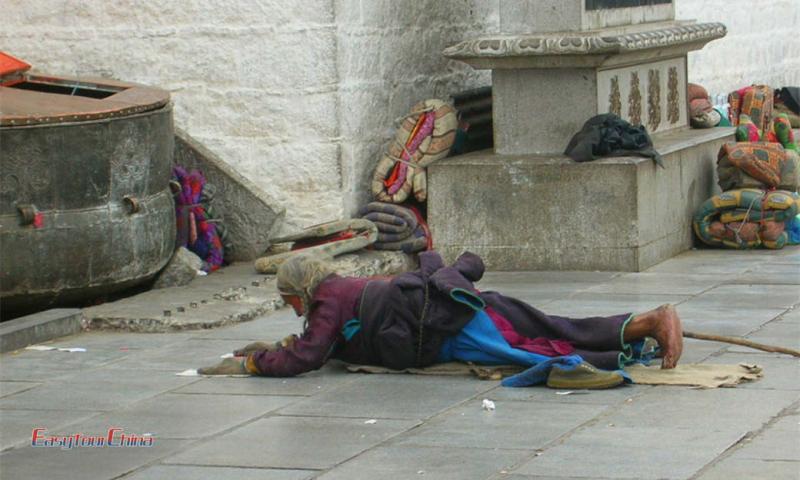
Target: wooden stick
[{"x": 741, "y": 341}]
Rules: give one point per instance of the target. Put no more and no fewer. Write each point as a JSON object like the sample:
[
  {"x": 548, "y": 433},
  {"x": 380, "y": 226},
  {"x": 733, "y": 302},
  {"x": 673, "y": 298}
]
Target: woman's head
[{"x": 299, "y": 277}]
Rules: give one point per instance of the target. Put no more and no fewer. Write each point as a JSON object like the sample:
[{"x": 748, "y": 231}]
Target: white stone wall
[
  {"x": 300, "y": 96},
  {"x": 762, "y": 45},
  {"x": 389, "y": 59}
]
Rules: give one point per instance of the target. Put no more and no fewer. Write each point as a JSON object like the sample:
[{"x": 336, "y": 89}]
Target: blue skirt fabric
[{"x": 480, "y": 342}]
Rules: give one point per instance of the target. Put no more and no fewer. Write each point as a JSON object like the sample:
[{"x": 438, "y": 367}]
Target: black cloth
[
  {"x": 790, "y": 96},
  {"x": 607, "y": 135}
]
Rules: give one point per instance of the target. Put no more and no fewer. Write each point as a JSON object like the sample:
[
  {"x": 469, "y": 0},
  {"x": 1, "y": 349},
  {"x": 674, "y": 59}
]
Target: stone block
[
  {"x": 249, "y": 214},
  {"x": 180, "y": 270},
  {"x": 551, "y": 213},
  {"x": 539, "y": 120},
  {"x": 39, "y": 327}
]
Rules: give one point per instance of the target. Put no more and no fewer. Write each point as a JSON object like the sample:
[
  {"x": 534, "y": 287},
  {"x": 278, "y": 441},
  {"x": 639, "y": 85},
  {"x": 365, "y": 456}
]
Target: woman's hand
[
  {"x": 262, "y": 346},
  {"x": 255, "y": 347},
  {"x": 228, "y": 366}
]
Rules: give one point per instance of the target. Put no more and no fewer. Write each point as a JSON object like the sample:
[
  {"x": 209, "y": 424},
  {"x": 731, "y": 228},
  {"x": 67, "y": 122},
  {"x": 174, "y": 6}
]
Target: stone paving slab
[
  {"x": 507, "y": 427},
  {"x": 399, "y": 463},
  {"x": 640, "y": 452},
  {"x": 312, "y": 426},
  {"x": 83, "y": 463},
  {"x": 185, "y": 416},
  {"x": 723, "y": 319},
  {"x": 750, "y": 296},
  {"x": 652, "y": 283},
  {"x": 705, "y": 409},
  {"x": 777, "y": 332},
  {"x": 537, "y": 396},
  {"x": 191, "y": 353},
  {"x": 10, "y": 388},
  {"x": 17, "y": 425},
  {"x": 392, "y": 396},
  {"x": 101, "y": 390},
  {"x": 312, "y": 383},
  {"x": 293, "y": 442},
  {"x": 588, "y": 304},
  {"x": 748, "y": 468},
  {"x": 188, "y": 472}
]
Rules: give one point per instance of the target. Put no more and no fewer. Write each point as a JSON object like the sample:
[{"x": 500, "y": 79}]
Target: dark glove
[
  {"x": 228, "y": 366},
  {"x": 268, "y": 346}
]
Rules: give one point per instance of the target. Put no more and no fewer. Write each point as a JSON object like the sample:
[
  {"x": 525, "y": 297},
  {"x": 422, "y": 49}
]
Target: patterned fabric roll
[
  {"x": 755, "y": 101},
  {"x": 761, "y": 161},
  {"x": 745, "y": 218},
  {"x": 425, "y": 136},
  {"x": 332, "y": 238}
]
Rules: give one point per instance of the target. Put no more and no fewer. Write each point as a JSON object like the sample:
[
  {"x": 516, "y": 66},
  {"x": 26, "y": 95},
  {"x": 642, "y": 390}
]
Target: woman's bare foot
[
  {"x": 662, "y": 324},
  {"x": 668, "y": 333}
]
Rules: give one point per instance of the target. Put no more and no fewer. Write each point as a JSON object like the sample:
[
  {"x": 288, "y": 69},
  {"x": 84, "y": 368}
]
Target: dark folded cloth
[
  {"x": 399, "y": 228},
  {"x": 607, "y": 135}
]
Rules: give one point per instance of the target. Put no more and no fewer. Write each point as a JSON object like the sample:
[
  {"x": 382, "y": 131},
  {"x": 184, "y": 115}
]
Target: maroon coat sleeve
[{"x": 310, "y": 351}]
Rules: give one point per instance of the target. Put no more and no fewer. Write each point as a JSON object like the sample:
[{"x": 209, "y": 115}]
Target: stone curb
[
  {"x": 39, "y": 327},
  {"x": 236, "y": 294}
]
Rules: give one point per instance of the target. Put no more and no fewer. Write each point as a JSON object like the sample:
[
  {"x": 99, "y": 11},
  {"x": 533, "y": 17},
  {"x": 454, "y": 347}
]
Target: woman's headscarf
[{"x": 301, "y": 275}]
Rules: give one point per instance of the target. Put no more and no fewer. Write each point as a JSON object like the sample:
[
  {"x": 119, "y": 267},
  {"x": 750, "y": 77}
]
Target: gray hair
[{"x": 301, "y": 275}]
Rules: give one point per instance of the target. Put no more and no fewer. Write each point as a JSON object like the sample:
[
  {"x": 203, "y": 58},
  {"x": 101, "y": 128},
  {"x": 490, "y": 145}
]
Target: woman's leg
[{"x": 662, "y": 324}]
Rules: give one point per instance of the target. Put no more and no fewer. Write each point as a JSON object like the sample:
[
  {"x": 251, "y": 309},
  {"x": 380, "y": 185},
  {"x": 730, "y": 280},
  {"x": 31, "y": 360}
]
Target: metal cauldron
[{"x": 85, "y": 204}]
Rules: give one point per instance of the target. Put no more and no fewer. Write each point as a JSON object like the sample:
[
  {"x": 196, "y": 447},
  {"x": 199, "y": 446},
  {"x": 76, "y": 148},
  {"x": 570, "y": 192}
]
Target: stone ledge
[
  {"x": 39, "y": 327},
  {"x": 522, "y": 50},
  {"x": 231, "y": 295},
  {"x": 527, "y": 212}
]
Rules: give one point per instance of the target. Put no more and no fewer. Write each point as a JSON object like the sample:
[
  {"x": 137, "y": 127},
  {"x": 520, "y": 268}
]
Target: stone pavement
[{"x": 320, "y": 425}]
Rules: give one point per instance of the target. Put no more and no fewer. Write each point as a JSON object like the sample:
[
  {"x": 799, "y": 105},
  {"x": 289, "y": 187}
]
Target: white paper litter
[
  {"x": 46, "y": 348},
  {"x": 488, "y": 405},
  {"x": 371, "y": 421},
  {"x": 192, "y": 372},
  {"x": 227, "y": 355}
]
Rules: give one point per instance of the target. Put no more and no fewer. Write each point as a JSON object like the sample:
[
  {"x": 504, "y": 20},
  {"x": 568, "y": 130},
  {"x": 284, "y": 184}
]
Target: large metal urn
[{"x": 85, "y": 204}]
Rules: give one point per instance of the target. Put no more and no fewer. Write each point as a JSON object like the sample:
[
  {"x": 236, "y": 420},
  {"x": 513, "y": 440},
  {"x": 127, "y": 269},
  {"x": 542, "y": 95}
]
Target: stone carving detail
[
  {"x": 673, "y": 97},
  {"x": 587, "y": 44},
  {"x": 614, "y": 102},
  {"x": 653, "y": 99},
  {"x": 635, "y": 101}
]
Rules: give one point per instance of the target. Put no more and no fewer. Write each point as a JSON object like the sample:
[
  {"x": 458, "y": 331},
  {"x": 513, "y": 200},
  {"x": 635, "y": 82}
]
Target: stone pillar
[
  {"x": 555, "y": 64},
  {"x": 559, "y": 62}
]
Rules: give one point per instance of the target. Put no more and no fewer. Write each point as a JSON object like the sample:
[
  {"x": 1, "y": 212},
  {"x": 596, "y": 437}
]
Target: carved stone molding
[
  {"x": 635, "y": 101},
  {"x": 673, "y": 108},
  {"x": 584, "y": 43},
  {"x": 614, "y": 101},
  {"x": 653, "y": 99}
]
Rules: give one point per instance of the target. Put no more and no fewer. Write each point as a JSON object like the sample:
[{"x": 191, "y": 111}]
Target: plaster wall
[
  {"x": 300, "y": 97},
  {"x": 762, "y": 45}
]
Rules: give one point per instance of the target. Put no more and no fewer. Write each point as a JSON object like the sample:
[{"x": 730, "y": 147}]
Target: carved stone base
[{"x": 549, "y": 213}]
